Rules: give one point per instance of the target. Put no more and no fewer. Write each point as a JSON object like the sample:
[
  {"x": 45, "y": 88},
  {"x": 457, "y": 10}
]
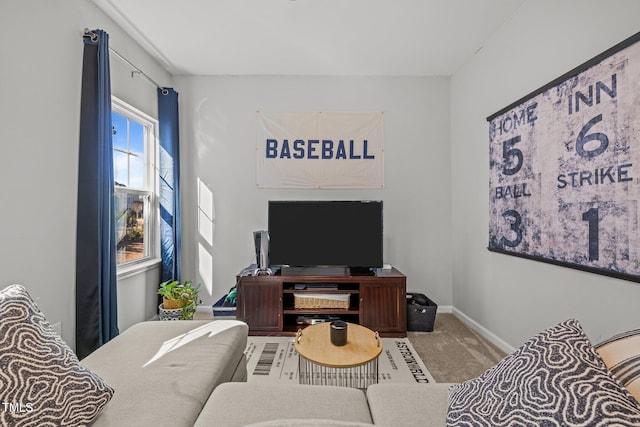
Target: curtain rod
[{"x": 136, "y": 70}]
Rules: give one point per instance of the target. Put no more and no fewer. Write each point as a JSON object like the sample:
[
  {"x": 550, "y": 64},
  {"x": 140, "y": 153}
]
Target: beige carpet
[{"x": 452, "y": 352}]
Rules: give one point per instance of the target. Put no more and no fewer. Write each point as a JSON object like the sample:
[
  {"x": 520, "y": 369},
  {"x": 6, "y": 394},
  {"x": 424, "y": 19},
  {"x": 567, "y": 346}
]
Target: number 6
[{"x": 583, "y": 138}]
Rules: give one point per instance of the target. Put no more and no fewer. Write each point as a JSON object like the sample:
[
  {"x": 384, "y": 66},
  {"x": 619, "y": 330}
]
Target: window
[{"x": 134, "y": 140}]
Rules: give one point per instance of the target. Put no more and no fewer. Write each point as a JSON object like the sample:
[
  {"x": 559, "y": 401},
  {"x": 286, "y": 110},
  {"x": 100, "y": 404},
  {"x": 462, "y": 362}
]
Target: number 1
[{"x": 592, "y": 216}]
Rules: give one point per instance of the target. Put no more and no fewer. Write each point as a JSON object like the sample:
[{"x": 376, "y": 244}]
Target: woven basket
[{"x": 321, "y": 301}]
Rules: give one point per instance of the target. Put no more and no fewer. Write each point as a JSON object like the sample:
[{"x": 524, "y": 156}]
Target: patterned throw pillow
[
  {"x": 621, "y": 354},
  {"x": 555, "y": 379},
  {"x": 41, "y": 381}
]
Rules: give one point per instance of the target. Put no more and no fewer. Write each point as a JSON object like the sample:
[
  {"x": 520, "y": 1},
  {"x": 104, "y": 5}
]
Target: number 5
[{"x": 509, "y": 151}]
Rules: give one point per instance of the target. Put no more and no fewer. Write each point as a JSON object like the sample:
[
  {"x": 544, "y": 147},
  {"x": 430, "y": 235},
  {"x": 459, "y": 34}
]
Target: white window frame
[{"x": 151, "y": 161}]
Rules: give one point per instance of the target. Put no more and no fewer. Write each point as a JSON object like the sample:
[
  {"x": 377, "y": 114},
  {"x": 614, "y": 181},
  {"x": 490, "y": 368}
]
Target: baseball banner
[{"x": 320, "y": 150}]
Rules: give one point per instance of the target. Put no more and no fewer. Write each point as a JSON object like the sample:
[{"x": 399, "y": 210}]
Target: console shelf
[{"x": 377, "y": 301}]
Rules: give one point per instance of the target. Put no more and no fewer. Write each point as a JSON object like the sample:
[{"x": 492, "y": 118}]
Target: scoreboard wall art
[{"x": 565, "y": 168}]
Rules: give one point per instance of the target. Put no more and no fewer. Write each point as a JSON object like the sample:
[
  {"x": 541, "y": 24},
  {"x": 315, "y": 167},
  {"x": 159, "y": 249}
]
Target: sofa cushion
[
  {"x": 238, "y": 404},
  {"x": 164, "y": 372},
  {"x": 555, "y": 379},
  {"x": 621, "y": 354},
  {"x": 399, "y": 404},
  {"x": 309, "y": 422},
  {"x": 42, "y": 382}
]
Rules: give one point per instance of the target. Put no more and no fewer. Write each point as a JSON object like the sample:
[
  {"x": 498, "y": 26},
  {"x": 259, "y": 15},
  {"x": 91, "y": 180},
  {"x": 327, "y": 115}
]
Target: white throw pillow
[{"x": 621, "y": 354}]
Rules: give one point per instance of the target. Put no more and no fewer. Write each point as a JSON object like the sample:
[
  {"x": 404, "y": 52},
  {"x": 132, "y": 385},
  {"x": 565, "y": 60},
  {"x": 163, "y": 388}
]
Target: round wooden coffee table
[{"x": 354, "y": 364}]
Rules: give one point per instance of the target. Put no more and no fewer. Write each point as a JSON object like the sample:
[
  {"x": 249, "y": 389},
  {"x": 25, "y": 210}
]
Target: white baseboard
[
  {"x": 501, "y": 344},
  {"x": 444, "y": 309},
  {"x": 204, "y": 309}
]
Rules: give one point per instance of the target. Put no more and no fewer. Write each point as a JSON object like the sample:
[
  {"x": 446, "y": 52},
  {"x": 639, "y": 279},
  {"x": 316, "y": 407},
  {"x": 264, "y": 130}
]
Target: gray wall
[
  {"x": 218, "y": 128},
  {"x": 436, "y": 140},
  {"x": 40, "y": 78},
  {"x": 513, "y": 298}
]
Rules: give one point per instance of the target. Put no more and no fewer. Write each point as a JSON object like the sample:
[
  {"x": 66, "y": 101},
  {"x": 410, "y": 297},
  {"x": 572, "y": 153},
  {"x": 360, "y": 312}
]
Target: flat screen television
[{"x": 325, "y": 233}]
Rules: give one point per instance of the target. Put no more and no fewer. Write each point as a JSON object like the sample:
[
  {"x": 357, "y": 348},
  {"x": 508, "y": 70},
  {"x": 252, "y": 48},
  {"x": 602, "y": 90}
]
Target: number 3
[{"x": 515, "y": 227}]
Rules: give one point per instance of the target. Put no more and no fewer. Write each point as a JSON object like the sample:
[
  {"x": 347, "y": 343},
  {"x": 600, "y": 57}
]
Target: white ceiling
[{"x": 311, "y": 37}]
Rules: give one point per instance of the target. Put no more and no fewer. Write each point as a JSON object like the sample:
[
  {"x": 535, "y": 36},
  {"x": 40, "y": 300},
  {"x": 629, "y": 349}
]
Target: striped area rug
[{"x": 276, "y": 359}]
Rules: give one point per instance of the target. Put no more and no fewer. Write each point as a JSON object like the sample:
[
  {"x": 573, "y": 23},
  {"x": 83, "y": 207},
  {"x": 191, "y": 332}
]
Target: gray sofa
[
  {"x": 194, "y": 374},
  {"x": 397, "y": 405},
  {"x": 153, "y": 374},
  {"x": 557, "y": 378},
  {"x": 164, "y": 372}
]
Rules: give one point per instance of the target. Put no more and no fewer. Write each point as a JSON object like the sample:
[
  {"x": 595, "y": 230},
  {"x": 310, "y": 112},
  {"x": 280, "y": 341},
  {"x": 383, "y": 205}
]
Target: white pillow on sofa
[
  {"x": 555, "y": 379},
  {"x": 41, "y": 381},
  {"x": 621, "y": 354}
]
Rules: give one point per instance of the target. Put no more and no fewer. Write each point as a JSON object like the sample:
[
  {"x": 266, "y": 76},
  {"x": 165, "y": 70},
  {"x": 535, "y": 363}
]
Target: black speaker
[{"x": 261, "y": 240}]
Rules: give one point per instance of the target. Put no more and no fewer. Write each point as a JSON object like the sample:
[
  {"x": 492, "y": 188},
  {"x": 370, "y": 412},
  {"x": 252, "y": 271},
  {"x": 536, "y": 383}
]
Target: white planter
[{"x": 170, "y": 314}]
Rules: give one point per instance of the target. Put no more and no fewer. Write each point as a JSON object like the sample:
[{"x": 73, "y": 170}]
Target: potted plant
[{"x": 179, "y": 300}]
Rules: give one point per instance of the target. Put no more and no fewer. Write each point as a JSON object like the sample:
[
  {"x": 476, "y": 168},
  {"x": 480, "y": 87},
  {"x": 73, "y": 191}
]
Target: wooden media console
[{"x": 270, "y": 305}]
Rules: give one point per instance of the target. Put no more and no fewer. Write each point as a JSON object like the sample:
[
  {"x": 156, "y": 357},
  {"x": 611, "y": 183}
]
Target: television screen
[{"x": 325, "y": 233}]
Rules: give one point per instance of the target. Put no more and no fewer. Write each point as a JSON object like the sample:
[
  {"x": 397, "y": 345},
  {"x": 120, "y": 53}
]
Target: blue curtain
[
  {"x": 96, "y": 299},
  {"x": 169, "y": 183}
]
